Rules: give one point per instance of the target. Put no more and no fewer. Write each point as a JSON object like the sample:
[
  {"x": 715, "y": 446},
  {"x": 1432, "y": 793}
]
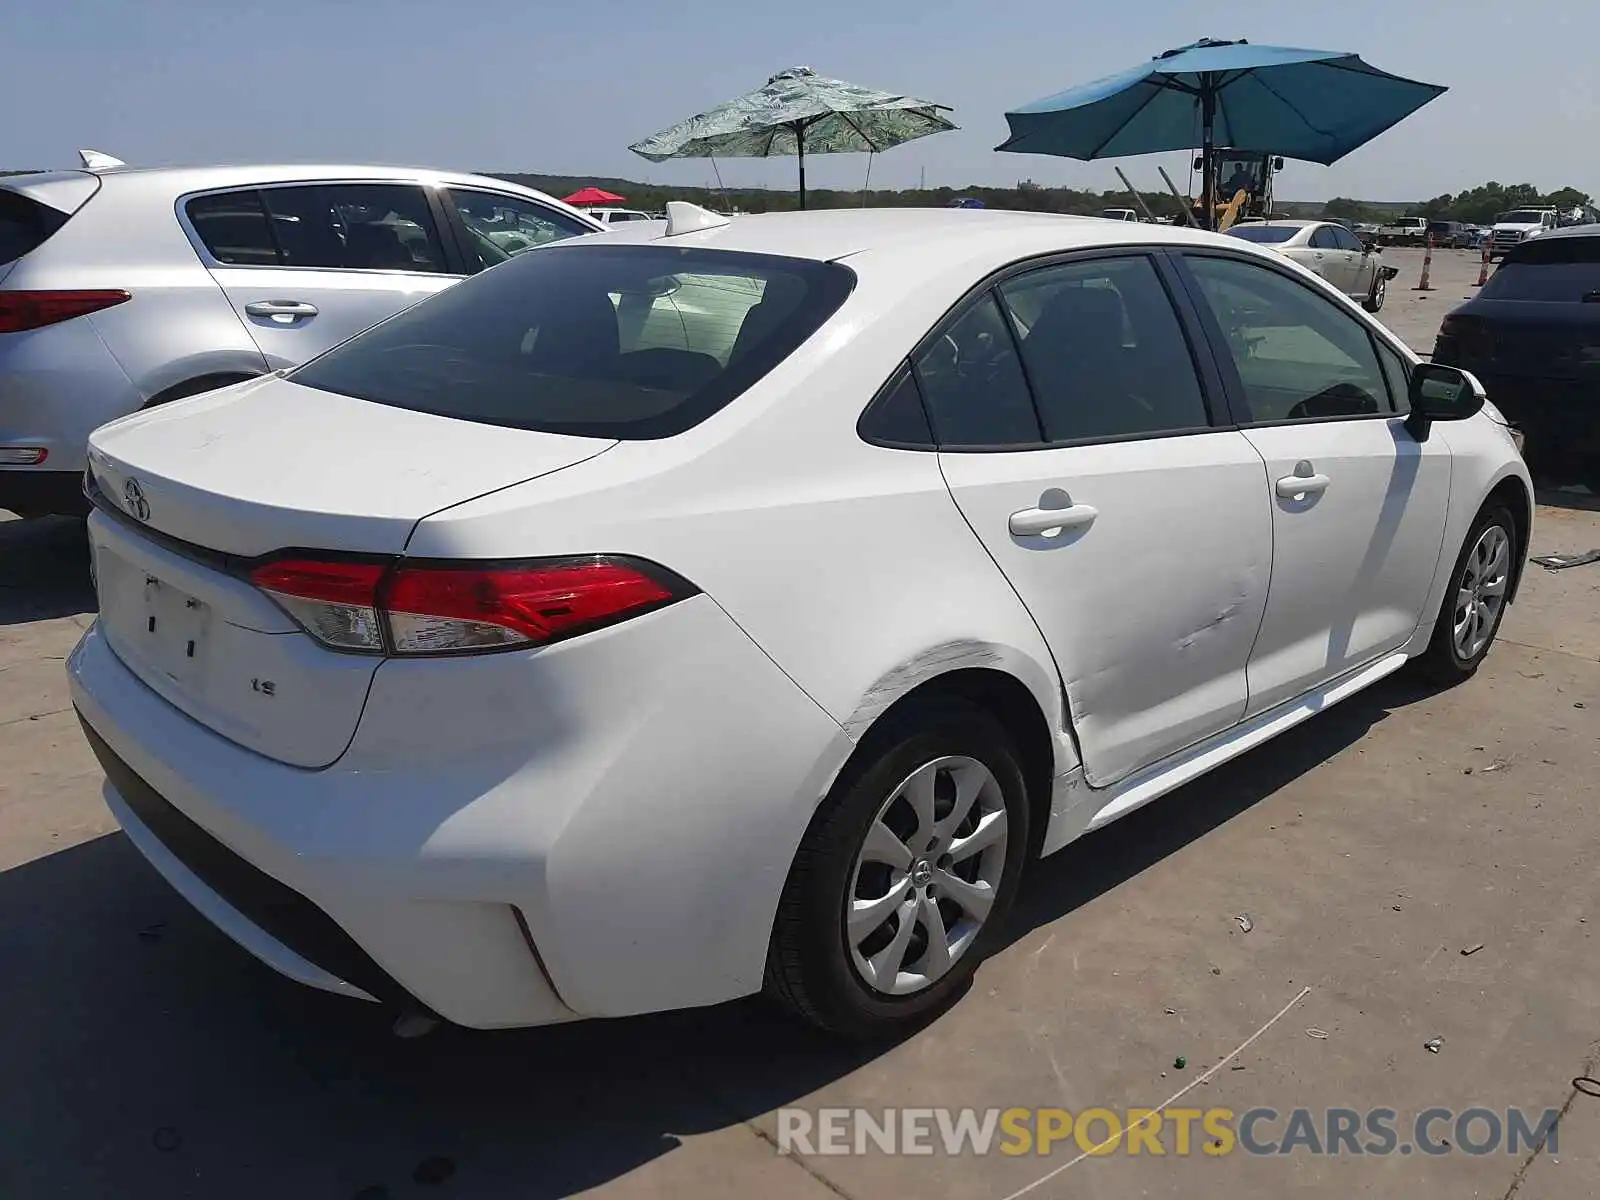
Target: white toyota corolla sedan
[{"x": 725, "y": 607}]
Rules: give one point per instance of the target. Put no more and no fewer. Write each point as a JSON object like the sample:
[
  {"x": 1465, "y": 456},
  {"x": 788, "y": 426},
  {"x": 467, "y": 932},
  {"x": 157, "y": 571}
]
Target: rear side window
[
  {"x": 355, "y": 226},
  {"x": 972, "y": 380},
  {"x": 233, "y": 226},
  {"x": 25, "y": 225},
  {"x": 1104, "y": 351},
  {"x": 1550, "y": 270},
  {"x": 613, "y": 341},
  {"x": 346, "y": 226}
]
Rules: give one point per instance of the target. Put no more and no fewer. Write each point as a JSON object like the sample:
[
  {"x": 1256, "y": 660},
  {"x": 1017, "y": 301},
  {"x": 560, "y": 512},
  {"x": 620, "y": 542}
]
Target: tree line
[{"x": 1476, "y": 206}]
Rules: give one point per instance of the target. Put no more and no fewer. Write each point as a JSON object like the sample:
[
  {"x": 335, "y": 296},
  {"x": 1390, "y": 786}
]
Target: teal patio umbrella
[
  {"x": 1315, "y": 105},
  {"x": 799, "y": 112}
]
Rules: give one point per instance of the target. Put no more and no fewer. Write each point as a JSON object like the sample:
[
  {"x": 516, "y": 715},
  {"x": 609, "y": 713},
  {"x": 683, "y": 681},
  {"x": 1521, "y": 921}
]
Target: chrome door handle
[
  {"x": 1043, "y": 520},
  {"x": 1291, "y": 486},
  {"x": 291, "y": 309}
]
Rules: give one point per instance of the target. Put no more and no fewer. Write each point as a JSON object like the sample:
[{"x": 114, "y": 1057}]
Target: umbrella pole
[
  {"x": 1208, "y": 165},
  {"x": 800, "y": 146}
]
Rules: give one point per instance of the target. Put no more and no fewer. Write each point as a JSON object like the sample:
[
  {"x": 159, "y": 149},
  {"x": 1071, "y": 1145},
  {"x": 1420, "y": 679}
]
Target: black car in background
[
  {"x": 1449, "y": 234},
  {"x": 1532, "y": 336}
]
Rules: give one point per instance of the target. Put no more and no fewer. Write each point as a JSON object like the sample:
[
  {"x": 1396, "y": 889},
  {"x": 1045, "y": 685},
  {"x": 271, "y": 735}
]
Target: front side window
[
  {"x": 1104, "y": 350},
  {"x": 1299, "y": 357},
  {"x": 1399, "y": 378},
  {"x": 602, "y": 340},
  {"x": 501, "y": 226},
  {"x": 354, "y": 226},
  {"x": 973, "y": 384}
]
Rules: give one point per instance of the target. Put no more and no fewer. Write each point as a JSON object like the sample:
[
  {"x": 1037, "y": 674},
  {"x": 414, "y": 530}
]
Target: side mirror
[
  {"x": 1369, "y": 244},
  {"x": 1441, "y": 393}
]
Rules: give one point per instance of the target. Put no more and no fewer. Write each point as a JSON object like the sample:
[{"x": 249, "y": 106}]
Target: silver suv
[{"x": 123, "y": 288}]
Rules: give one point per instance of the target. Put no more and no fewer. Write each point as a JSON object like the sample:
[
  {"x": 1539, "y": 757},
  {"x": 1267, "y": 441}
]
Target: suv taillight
[
  {"x": 21, "y": 311},
  {"x": 462, "y": 607}
]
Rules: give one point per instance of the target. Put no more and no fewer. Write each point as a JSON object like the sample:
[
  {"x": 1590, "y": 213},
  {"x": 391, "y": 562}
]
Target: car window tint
[
  {"x": 355, "y": 226},
  {"x": 600, "y": 340},
  {"x": 1323, "y": 239},
  {"x": 1345, "y": 239},
  {"x": 1104, "y": 351},
  {"x": 500, "y": 226},
  {"x": 233, "y": 227},
  {"x": 896, "y": 417},
  {"x": 973, "y": 383},
  {"x": 1398, "y": 378},
  {"x": 1298, "y": 355}
]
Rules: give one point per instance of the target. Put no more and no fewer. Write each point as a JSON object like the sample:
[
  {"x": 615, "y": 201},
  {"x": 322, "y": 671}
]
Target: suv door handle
[
  {"x": 281, "y": 310},
  {"x": 1291, "y": 486},
  {"x": 1040, "y": 520}
]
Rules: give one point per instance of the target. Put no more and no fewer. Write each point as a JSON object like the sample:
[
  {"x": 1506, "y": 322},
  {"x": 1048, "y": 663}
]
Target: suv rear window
[
  {"x": 614, "y": 341},
  {"x": 1551, "y": 269},
  {"x": 25, "y": 225}
]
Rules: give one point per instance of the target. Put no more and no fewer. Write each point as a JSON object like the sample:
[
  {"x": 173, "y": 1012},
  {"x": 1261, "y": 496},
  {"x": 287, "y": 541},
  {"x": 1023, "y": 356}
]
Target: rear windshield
[
  {"x": 25, "y": 225},
  {"x": 1551, "y": 268},
  {"x": 1264, "y": 233},
  {"x": 614, "y": 341}
]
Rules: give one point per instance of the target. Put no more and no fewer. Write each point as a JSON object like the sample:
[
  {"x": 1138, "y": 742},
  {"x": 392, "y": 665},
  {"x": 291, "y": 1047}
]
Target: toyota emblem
[{"x": 133, "y": 499}]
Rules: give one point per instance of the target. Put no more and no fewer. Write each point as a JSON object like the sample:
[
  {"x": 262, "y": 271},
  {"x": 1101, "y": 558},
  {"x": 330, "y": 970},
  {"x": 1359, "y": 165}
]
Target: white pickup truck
[
  {"x": 1519, "y": 225},
  {"x": 1404, "y": 231}
]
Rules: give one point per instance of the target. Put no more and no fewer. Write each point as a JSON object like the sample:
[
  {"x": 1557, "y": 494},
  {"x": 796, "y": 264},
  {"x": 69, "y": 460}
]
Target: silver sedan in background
[{"x": 1330, "y": 250}]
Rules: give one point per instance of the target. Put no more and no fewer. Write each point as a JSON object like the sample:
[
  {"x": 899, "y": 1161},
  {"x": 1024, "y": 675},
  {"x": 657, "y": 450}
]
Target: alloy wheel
[
  {"x": 926, "y": 876},
  {"x": 1481, "y": 592}
]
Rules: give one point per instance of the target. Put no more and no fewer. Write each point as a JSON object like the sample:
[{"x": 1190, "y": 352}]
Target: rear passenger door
[
  {"x": 1076, "y": 438},
  {"x": 307, "y": 265}
]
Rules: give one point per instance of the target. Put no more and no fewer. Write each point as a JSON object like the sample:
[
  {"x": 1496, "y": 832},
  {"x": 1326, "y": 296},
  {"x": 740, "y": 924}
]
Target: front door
[
  {"x": 1136, "y": 533},
  {"x": 308, "y": 265},
  {"x": 1358, "y": 505}
]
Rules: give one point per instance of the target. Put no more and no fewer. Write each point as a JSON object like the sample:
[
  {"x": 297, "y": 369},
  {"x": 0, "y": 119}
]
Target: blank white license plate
[{"x": 160, "y": 626}]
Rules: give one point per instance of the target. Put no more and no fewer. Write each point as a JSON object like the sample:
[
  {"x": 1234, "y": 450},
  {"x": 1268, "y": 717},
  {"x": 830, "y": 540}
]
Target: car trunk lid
[{"x": 195, "y": 493}]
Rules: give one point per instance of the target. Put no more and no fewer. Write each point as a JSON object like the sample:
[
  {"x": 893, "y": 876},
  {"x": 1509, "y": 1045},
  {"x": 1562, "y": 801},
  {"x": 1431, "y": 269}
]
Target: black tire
[
  {"x": 1442, "y": 662},
  {"x": 809, "y": 967}
]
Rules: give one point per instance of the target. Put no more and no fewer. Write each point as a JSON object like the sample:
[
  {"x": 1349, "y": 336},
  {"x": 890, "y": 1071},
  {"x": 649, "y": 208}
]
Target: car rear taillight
[
  {"x": 335, "y": 602},
  {"x": 21, "y": 311},
  {"x": 462, "y": 607}
]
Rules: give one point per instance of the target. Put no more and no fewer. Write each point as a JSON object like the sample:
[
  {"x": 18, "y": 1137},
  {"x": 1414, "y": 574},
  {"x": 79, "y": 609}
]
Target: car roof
[
  {"x": 827, "y": 235},
  {"x": 1284, "y": 223}
]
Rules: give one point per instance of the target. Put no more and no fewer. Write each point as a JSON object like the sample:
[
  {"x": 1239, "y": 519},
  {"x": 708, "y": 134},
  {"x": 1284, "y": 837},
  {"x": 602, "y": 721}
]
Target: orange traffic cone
[
  {"x": 1483, "y": 270},
  {"x": 1427, "y": 265}
]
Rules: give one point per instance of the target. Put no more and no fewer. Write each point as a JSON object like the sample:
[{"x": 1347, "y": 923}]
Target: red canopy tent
[{"x": 593, "y": 195}]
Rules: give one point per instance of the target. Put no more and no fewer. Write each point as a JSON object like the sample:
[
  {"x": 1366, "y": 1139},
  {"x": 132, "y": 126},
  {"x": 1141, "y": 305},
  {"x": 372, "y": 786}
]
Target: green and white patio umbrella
[{"x": 799, "y": 112}]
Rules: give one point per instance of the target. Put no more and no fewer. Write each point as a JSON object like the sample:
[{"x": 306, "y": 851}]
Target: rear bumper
[
  {"x": 57, "y": 385},
  {"x": 32, "y": 492},
  {"x": 561, "y": 852}
]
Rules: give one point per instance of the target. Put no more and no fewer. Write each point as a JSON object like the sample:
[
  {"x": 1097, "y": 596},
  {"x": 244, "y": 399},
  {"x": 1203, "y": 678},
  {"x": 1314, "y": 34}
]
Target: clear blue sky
[{"x": 533, "y": 85}]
